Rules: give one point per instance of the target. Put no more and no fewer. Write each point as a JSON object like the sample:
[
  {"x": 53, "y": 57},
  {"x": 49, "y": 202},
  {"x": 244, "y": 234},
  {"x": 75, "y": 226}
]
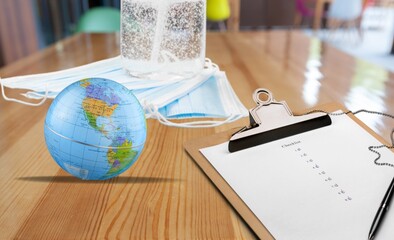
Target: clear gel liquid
[{"x": 162, "y": 39}]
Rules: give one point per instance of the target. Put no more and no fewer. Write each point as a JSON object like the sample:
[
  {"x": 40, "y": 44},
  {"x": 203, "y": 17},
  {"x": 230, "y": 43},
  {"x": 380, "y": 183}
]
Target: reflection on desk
[{"x": 164, "y": 194}]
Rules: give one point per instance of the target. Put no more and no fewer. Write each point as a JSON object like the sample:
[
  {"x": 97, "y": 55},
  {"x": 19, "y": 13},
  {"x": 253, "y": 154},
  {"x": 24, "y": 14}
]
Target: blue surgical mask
[
  {"x": 208, "y": 94},
  {"x": 214, "y": 98}
]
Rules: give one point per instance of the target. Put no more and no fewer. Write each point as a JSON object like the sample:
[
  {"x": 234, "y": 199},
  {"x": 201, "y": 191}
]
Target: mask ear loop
[
  {"x": 208, "y": 64},
  {"x": 154, "y": 113},
  {"x": 21, "y": 101}
]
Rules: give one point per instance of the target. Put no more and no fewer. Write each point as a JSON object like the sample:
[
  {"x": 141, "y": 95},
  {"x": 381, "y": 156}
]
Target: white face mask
[{"x": 207, "y": 95}]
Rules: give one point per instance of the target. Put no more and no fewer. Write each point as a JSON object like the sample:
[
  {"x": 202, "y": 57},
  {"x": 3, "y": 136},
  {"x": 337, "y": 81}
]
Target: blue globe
[{"x": 95, "y": 129}]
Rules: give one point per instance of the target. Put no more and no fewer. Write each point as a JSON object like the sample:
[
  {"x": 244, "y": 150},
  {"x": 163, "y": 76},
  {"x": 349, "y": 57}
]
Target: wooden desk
[{"x": 164, "y": 195}]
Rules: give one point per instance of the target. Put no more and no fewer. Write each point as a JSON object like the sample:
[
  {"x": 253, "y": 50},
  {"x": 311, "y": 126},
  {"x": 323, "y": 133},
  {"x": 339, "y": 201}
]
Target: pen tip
[{"x": 371, "y": 237}]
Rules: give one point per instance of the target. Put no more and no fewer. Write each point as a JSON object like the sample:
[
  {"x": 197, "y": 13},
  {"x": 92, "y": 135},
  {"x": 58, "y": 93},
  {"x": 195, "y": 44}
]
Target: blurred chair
[
  {"x": 345, "y": 14},
  {"x": 304, "y": 11},
  {"x": 378, "y": 14},
  {"x": 310, "y": 10},
  {"x": 233, "y": 21},
  {"x": 320, "y": 12},
  {"x": 99, "y": 20},
  {"x": 218, "y": 11}
]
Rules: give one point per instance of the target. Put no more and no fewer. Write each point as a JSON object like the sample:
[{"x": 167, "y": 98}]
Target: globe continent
[{"x": 95, "y": 129}]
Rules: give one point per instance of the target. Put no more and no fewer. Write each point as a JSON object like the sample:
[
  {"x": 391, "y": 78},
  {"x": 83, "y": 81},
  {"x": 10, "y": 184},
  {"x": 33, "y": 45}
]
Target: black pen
[{"x": 381, "y": 211}]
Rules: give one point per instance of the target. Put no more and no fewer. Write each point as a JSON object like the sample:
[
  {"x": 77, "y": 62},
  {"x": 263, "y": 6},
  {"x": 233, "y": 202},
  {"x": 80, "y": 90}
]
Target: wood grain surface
[{"x": 165, "y": 195}]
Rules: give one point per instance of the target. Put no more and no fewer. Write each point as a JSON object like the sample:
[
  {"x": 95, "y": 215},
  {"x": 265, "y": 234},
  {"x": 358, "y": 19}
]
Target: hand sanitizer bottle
[{"x": 163, "y": 39}]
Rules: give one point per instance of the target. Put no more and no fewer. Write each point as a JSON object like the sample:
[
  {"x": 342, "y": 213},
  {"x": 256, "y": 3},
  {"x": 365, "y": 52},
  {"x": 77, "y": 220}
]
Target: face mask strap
[
  {"x": 21, "y": 101},
  {"x": 196, "y": 124}
]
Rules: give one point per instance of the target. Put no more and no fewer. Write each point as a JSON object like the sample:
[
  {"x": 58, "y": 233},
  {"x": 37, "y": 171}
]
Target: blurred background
[{"x": 29, "y": 25}]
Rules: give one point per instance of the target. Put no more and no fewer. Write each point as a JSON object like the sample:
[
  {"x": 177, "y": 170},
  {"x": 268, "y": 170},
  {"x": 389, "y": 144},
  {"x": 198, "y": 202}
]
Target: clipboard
[{"x": 192, "y": 147}]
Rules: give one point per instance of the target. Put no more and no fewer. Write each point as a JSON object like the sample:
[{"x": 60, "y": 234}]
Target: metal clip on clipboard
[{"x": 271, "y": 120}]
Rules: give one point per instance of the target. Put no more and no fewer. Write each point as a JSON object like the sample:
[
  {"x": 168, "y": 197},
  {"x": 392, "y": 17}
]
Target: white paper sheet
[{"x": 321, "y": 184}]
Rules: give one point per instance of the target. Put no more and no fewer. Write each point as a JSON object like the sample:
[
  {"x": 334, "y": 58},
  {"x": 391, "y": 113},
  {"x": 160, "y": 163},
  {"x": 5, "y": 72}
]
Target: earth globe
[{"x": 95, "y": 129}]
